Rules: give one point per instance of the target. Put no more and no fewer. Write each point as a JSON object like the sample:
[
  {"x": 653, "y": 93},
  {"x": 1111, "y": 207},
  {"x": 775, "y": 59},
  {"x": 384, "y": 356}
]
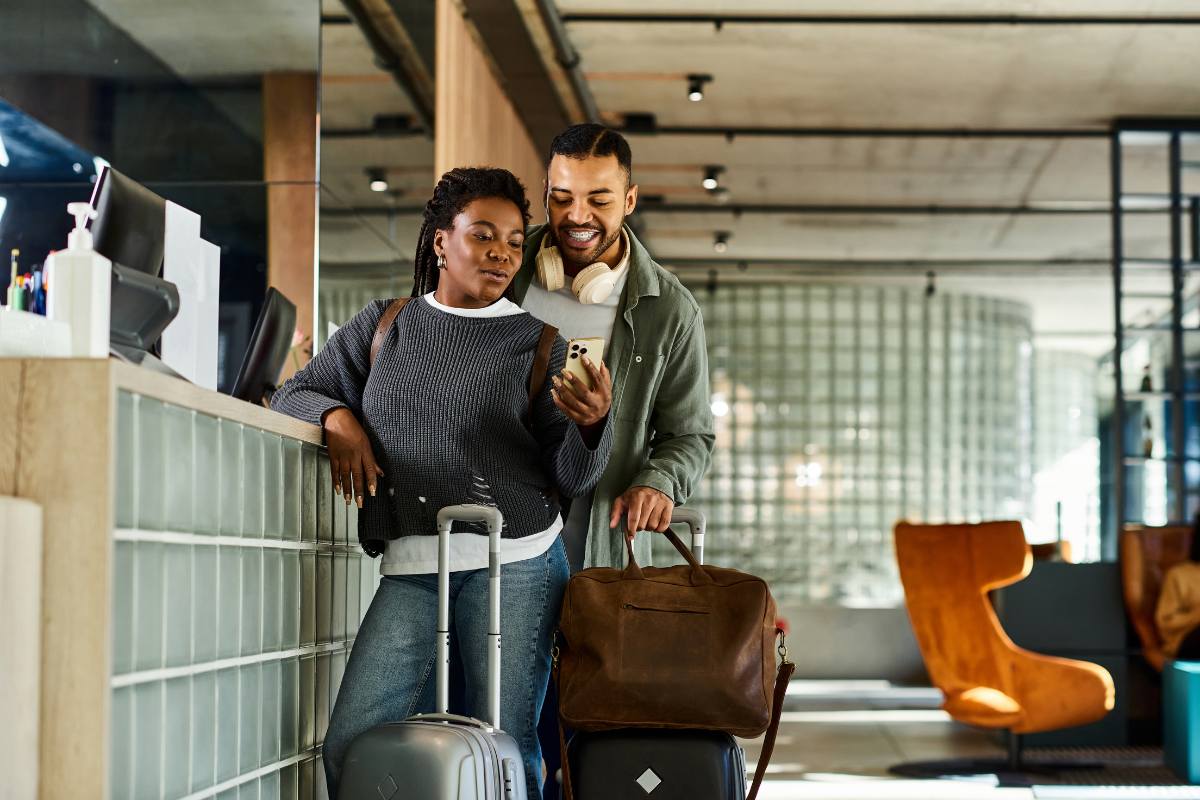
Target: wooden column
[
  {"x": 290, "y": 130},
  {"x": 476, "y": 123}
]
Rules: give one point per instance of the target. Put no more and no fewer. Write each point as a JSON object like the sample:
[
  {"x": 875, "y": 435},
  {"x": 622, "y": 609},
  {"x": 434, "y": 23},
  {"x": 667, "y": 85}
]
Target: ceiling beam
[
  {"x": 396, "y": 52},
  {"x": 742, "y": 209},
  {"x": 646, "y": 125},
  {"x": 720, "y": 20}
]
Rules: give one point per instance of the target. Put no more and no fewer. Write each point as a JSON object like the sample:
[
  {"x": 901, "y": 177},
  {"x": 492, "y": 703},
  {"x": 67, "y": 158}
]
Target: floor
[{"x": 837, "y": 740}]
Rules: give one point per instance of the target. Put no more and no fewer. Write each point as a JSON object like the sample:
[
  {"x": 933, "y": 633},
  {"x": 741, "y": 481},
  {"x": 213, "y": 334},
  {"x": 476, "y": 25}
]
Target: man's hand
[
  {"x": 351, "y": 460},
  {"x": 648, "y": 510},
  {"x": 585, "y": 407}
]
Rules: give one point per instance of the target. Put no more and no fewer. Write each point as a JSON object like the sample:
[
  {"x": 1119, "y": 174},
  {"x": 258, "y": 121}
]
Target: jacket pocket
[{"x": 641, "y": 385}]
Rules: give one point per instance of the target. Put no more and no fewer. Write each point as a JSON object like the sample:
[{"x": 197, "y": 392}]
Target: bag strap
[
  {"x": 385, "y": 323},
  {"x": 541, "y": 360},
  {"x": 782, "y": 678}
]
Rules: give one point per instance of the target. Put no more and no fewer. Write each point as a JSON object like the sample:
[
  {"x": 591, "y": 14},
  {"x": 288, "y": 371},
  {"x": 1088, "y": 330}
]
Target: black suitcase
[{"x": 634, "y": 763}]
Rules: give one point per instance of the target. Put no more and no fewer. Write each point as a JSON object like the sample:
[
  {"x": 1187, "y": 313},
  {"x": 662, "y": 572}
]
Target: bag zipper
[{"x": 675, "y": 610}]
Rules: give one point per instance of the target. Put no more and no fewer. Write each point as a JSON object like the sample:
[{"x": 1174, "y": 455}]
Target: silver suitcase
[{"x": 441, "y": 756}]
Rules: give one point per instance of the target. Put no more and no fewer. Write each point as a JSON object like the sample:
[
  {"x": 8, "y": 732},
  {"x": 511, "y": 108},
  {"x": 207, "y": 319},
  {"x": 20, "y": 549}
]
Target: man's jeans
[{"x": 390, "y": 674}]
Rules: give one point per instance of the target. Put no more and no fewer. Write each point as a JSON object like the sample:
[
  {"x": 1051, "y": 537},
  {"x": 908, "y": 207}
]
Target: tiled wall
[{"x": 237, "y": 591}]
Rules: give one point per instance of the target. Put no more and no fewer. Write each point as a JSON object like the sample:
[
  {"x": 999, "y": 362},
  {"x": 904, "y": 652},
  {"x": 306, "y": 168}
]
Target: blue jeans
[{"x": 390, "y": 674}]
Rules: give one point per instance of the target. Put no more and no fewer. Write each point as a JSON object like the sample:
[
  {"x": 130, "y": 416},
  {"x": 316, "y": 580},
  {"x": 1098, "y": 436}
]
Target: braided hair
[{"x": 457, "y": 189}]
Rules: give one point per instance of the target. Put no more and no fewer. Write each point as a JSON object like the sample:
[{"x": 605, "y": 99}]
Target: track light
[
  {"x": 721, "y": 241},
  {"x": 378, "y": 179},
  {"x": 696, "y": 86},
  {"x": 711, "y": 175}
]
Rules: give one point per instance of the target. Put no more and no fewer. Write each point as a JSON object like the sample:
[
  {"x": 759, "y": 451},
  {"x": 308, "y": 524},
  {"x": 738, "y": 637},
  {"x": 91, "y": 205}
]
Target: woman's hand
[
  {"x": 585, "y": 407},
  {"x": 351, "y": 460}
]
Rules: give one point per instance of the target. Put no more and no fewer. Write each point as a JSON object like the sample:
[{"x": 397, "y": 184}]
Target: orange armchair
[
  {"x": 987, "y": 681},
  {"x": 1146, "y": 556}
]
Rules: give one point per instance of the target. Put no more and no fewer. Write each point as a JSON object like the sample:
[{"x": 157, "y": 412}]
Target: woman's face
[{"x": 482, "y": 251}]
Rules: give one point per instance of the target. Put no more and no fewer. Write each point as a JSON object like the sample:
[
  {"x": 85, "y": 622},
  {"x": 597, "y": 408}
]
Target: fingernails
[
  {"x": 347, "y": 499},
  {"x": 359, "y": 500},
  {"x": 372, "y": 487}
]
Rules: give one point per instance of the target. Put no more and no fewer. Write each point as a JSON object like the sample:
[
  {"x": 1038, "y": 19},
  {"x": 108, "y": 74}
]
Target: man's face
[{"x": 587, "y": 199}]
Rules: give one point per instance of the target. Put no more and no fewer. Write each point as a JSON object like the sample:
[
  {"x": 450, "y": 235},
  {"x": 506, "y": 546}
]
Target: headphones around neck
[{"x": 594, "y": 283}]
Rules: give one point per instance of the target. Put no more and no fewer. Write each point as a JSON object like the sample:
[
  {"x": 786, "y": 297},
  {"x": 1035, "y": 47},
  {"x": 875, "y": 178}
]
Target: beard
[{"x": 573, "y": 262}]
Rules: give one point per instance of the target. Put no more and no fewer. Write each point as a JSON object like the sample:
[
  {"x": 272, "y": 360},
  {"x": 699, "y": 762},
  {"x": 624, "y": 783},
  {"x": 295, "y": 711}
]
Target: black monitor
[
  {"x": 130, "y": 222},
  {"x": 268, "y": 350}
]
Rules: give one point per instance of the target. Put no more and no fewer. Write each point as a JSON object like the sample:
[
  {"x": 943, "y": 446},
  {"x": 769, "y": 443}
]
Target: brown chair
[
  {"x": 987, "y": 681},
  {"x": 1146, "y": 555}
]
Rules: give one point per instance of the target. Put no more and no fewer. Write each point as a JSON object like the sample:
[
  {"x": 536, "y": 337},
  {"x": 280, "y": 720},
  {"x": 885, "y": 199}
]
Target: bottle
[
  {"x": 80, "y": 281},
  {"x": 1147, "y": 384},
  {"x": 1147, "y": 437}
]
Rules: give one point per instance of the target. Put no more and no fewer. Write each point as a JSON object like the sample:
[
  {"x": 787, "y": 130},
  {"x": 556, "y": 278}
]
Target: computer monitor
[
  {"x": 268, "y": 350},
  {"x": 130, "y": 223}
]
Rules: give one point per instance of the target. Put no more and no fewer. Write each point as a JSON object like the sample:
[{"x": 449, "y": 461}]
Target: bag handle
[
  {"x": 782, "y": 678},
  {"x": 634, "y": 572}
]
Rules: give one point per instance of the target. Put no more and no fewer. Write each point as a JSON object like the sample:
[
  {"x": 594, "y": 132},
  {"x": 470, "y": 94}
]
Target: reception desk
[{"x": 201, "y": 587}]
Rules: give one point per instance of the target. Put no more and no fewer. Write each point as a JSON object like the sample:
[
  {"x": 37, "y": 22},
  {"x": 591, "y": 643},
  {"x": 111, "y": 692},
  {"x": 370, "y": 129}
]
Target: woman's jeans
[{"x": 390, "y": 675}]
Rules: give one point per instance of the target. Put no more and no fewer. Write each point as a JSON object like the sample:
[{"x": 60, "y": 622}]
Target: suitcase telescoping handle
[
  {"x": 495, "y": 522},
  {"x": 695, "y": 522}
]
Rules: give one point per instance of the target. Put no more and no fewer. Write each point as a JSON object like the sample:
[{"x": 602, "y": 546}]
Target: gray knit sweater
[{"x": 446, "y": 407}]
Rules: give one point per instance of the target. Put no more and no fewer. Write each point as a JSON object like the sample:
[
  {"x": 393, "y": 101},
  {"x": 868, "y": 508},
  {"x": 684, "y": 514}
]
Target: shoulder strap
[
  {"x": 541, "y": 362},
  {"x": 385, "y": 322}
]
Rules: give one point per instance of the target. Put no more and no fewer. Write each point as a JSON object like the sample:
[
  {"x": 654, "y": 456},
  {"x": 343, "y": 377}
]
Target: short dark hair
[
  {"x": 456, "y": 190},
  {"x": 591, "y": 139}
]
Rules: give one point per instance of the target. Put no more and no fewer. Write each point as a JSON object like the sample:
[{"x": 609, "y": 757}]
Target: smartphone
[{"x": 576, "y": 350}]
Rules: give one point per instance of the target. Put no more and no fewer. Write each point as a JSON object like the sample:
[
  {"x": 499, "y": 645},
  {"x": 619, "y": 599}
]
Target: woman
[
  {"x": 443, "y": 417},
  {"x": 1178, "y": 613}
]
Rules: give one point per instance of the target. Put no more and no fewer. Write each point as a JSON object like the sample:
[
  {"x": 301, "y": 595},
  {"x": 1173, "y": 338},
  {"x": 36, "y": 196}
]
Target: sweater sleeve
[
  {"x": 575, "y": 468},
  {"x": 336, "y": 376}
]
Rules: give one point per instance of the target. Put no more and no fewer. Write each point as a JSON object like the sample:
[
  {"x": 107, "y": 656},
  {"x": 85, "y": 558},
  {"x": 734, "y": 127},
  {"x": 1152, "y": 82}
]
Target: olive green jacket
[{"x": 661, "y": 417}]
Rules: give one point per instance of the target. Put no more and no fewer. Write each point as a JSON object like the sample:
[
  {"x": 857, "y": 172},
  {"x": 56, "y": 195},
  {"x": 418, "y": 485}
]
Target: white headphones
[{"x": 594, "y": 283}]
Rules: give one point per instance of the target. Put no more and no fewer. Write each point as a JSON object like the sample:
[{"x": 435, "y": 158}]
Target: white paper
[{"x": 189, "y": 344}]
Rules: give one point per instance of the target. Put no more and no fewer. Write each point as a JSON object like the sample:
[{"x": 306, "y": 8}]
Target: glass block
[
  {"x": 251, "y": 717},
  {"x": 180, "y": 455},
  {"x": 272, "y": 685},
  {"x": 252, "y": 476},
  {"x": 230, "y": 794},
  {"x": 337, "y": 624},
  {"x": 208, "y": 475},
  {"x": 272, "y": 590},
  {"x": 369, "y": 583},
  {"x": 229, "y": 601},
  {"x": 289, "y": 783},
  {"x": 353, "y": 594},
  {"x": 321, "y": 789},
  {"x": 231, "y": 477},
  {"x": 323, "y": 697},
  {"x": 289, "y": 707},
  {"x": 126, "y": 460},
  {"x": 122, "y": 605},
  {"x": 290, "y": 600},
  {"x": 293, "y": 489},
  {"x": 308, "y": 704},
  {"x": 351, "y": 524},
  {"x": 308, "y": 597},
  {"x": 308, "y": 786},
  {"x": 205, "y": 591},
  {"x": 268, "y": 786},
  {"x": 308, "y": 494},
  {"x": 148, "y": 739},
  {"x": 325, "y": 501},
  {"x": 177, "y": 728},
  {"x": 178, "y": 613},
  {"x": 337, "y": 669},
  {"x": 121, "y": 744},
  {"x": 204, "y": 730},
  {"x": 148, "y": 636},
  {"x": 252, "y": 600},
  {"x": 228, "y": 717},
  {"x": 249, "y": 790},
  {"x": 324, "y": 591},
  {"x": 272, "y": 486},
  {"x": 151, "y": 463},
  {"x": 340, "y": 512}
]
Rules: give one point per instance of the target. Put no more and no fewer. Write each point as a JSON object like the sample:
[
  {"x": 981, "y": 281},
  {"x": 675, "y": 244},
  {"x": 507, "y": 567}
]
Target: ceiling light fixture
[
  {"x": 378, "y": 179},
  {"x": 696, "y": 83},
  {"x": 711, "y": 176},
  {"x": 721, "y": 241}
]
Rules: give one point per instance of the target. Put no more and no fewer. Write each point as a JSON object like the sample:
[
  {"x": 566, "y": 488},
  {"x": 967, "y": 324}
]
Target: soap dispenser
[{"x": 79, "y": 283}]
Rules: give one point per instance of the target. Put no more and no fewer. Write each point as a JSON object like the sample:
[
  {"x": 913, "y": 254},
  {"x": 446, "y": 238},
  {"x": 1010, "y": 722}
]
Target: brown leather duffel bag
[{"x": 688, "y": 646}]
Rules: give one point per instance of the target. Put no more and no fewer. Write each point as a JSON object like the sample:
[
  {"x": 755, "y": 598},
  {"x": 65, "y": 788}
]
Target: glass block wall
[
  {"x": 842, "y": 409},
  {"x": 237, "y": 591}
]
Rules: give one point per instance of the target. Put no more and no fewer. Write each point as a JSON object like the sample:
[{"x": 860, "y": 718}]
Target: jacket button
[{"x": 638, "y": 359}]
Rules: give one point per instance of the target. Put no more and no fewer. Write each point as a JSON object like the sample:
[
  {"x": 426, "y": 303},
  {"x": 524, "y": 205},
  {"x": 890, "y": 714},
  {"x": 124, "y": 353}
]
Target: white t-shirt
[
  {"x": 576, "y": 320},
  {"x": 418, "y": 555}
]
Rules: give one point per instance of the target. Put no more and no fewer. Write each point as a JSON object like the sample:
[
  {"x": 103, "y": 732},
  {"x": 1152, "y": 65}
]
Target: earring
[{"x": 441, "y": 263}]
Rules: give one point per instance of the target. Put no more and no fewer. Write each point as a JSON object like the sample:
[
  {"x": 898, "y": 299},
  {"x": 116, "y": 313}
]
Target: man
[{"x": 662, "y": 421}]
